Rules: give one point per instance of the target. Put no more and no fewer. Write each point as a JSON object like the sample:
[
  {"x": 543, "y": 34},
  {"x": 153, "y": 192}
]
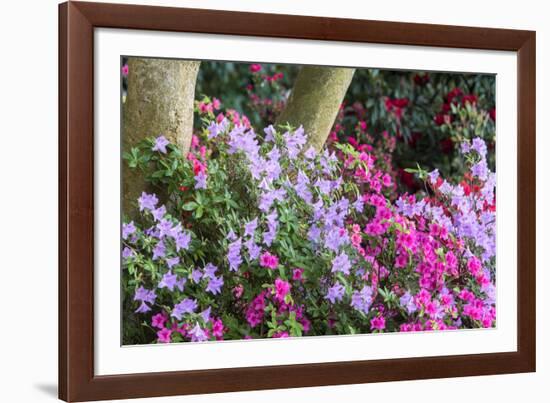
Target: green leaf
[{"x": 189, "y": 206}]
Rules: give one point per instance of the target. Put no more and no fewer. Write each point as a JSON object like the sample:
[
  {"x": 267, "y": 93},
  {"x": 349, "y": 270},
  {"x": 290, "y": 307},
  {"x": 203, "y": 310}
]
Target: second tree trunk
[{"x": 315, "y": 100}]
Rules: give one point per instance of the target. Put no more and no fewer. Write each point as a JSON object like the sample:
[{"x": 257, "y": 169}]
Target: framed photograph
[{"x": 255, "y": 201}]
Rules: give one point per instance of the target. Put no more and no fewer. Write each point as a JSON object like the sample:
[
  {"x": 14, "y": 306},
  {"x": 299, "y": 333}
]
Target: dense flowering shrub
[
  {"x": 257, "y": 235},
  {"x": 422, "y": 117}
]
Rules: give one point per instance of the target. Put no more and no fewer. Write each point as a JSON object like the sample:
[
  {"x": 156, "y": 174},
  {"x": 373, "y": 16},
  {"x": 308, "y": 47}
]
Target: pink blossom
[
  {"x": 268, "y": 260},
  {"x": 164, "y": 335},
  {"x": 159, "y": 320},
  {"x": 238, "y": 291},
  {"x": 254, "y": 68},
  {"x": 297, "y": 274},
  {"x": 217, "y": 328},
  {"x": 378, "y": 323},
  {"x": 216, "y": 103},
  {"x": 474, "y": 265},
  {"x": 282, "y": 289}
]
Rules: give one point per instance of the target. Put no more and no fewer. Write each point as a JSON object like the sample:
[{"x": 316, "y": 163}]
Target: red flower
[
  {"x": 254, "y": 68},
  {"x": 440, "y": 119},
  {"x": 471, "y": 98},
  {"x": 466, "y": 187},
  {"x": 421, "y": 79},
  {"x": 446, "y": 145},
  {"x": 453, "y": 94},
  {"x": 493, "y": 114}
]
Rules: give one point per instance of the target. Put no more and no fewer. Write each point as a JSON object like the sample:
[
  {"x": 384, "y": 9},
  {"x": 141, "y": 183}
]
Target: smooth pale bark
[
  {"x": 315, "y": 100},
  {"x": 160, "y": 100}
]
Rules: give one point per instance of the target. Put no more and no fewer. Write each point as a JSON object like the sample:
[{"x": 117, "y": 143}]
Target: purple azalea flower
[
  {"x": 465, "y": 147},
  {"x": 239, "y": 140},
  {"x": 205, "y": 315},
  {"x": 250, "y": 227},
  {"x": 147, "y": 201},
  {"x": 143, "y": 308},
  {"x": 433, "y": 176},
  {"x": 210, "y": 270},
  {"x": 314, "y": 233},
  {"x": 407, "y": 301},
  {"x": 269, "y": 133},
  {"x": 479, "y": 146},
  {"x": 160, "y": 144},
  {"x": 197, "y": 334},
  {"x": 445, "y": 187},
  {"x": 182, "y": 241},
  {"x": 128, "y": 229},
  {"x": 176, "y": 229},
  {"x": 274, "y": 154},
  {"x": 327, "y": 162},
  {"x": 187, "y": 305},
  {"x": 234, "y": 255},
  {"x": 294, "y": 142},
  {"x": 168, "y": 281},
  {"x": 310, "y": 153},
  {"x": 215, "y": 128},
  {"x": 215, "y": 285},
  {"x": 362, "y": 300},
  {"x": 272, "y": 224},
  {"x": 253, "y": 249},
  {"x": 341, "y": 263},
  {"x": 146, "y": 297},
  {"x": 256, "y": 166},
  {"x": 359, "y": 205},
  {"x": 480, "y": 170},
  {"x": 171, "y": 262},
  {"x": 335, "y": 293},
  {"x": 302, "y": 188},
  {"x": 127, "y": 252},
  {"x": 181, "y": 283},
  {"x": 231, "y": 236},
  {"x": 269, "y": 197},
  {"x": 200, "y": 180},
  {"x": 159, "y": 250},
  {"x": 335, "y": 238},
  {"x": 324, "y": 186},
  {"x": 165, "y": 228},
  {"x": 158, "y": 214},
  {"x": 196, "y": 275},
  {"x": 318, "y": 210},
  {"x": 272, "y": 170}
]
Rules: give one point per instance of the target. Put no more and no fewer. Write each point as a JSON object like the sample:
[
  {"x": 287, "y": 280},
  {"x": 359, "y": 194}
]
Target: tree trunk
[
  {"x": 315, "y": 100},
  {"x": 160, "y": 100}
]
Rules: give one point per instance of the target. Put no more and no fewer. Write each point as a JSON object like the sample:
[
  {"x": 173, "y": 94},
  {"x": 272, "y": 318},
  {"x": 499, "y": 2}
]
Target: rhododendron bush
[{"x": 254, "y": 233}]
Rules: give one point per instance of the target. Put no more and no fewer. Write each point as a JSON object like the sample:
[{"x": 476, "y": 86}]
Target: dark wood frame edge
[{"x": 77, "y": 381}]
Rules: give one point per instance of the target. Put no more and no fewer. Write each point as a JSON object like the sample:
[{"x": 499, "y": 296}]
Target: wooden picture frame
[{"x": 77, "y": 21}]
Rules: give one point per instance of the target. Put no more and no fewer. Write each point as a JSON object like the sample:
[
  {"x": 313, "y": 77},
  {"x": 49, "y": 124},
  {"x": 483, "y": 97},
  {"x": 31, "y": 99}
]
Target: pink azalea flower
[
  {"x": 297, "y": 274},
  {"x": 280, "y": 335},
  {"x": 217, "y": 328},
  {"x": 238, "y": 291},
  {"x": 164, "y": 335},
  {"x": 268, "y": 260},
  {"x": 282, "y": 289},
  {"x": 378, "y": 323},
  {"x": 159, "y": 320}
]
